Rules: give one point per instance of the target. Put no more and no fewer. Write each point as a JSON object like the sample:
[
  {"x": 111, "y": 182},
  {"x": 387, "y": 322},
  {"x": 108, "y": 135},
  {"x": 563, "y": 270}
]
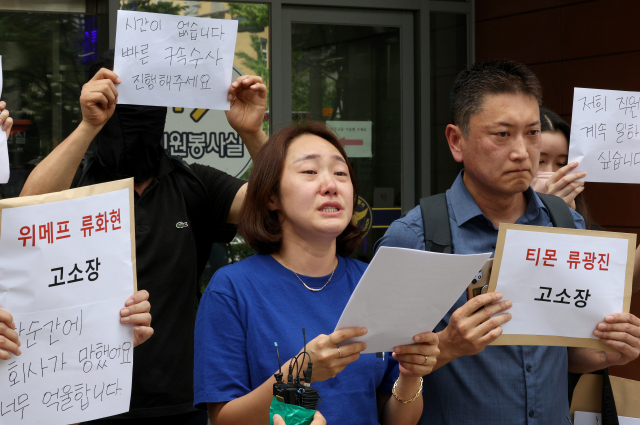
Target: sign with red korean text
[
  {"x": 67, "y": 266},
  {"x": 562, "y": 283}
]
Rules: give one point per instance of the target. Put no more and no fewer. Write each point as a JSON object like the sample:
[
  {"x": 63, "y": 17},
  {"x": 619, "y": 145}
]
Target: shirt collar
[
  {"x": 465, "y": 207},
  {"x": 165, "y": 166}
]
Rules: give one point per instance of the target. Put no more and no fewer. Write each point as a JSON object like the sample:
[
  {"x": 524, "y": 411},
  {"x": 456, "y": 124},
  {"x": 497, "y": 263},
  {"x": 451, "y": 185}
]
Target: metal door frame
[{"x": 281, "y": 98}]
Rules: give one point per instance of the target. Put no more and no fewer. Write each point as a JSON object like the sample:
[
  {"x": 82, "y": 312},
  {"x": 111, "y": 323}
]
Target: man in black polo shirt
[{"x": 169, "y": 197}]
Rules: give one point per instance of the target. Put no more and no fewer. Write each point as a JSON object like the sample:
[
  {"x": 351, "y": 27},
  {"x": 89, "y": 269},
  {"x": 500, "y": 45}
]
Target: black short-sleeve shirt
[{"x": 166, "y": 268}]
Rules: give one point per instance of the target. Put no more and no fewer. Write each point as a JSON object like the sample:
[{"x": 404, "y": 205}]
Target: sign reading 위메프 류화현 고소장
[
  {"x": 67, "y": 266},
  {"x": 562, "y": 283}
]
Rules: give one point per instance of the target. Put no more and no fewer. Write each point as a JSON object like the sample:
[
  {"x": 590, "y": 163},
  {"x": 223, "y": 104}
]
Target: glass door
[{"x": 354, "y": 70}]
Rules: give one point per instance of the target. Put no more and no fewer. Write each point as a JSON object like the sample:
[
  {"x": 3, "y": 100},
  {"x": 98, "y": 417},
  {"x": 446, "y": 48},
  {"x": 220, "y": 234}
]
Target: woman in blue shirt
[{"x": 298, "y": 216}]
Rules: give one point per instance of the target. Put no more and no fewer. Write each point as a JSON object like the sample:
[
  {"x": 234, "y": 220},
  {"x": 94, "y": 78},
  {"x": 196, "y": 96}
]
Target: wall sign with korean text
[
  {"x": 67, "y": 266},
  {"x": 204, "y": 136},
  {"x": 562, "y": 283},
  {"x": 355, "y": 137}
]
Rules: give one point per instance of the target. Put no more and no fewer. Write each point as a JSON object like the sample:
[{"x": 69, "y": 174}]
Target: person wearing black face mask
[
  {"x": 129, "y": 144},
  {"x": 170, "y": 257}
]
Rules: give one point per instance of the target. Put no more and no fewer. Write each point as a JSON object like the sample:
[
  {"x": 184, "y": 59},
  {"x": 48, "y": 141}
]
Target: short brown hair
[
  {"x": 489, "y": 77},
  {"x": 259, "y": 226}
]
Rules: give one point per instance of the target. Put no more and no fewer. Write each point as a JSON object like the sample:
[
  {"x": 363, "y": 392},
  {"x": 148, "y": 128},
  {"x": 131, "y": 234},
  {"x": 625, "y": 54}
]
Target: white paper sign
[
  {"x": 355, "y": 137},
  {"x": 170, "y": 60},
  {"x": 561, "y": 284},
  {"x": 4, "y": 153},
  {"x": 65, "y": 273},
  {"x": 405, "y": 292},
  {"x": 605, "y": 135},
  {"x": 589, "y": 418}
]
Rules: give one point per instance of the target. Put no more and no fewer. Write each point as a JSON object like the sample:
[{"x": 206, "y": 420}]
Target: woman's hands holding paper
[
  {"x": 328, "y": 359},
  {"x": 9, "y": 342},
  {"x": 418, "y": 359},
  {"x": 136, "y": 312}
]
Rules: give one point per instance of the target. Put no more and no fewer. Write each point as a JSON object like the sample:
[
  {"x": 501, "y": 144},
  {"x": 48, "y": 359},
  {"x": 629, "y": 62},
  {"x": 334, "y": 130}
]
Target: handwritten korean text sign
[
  {"x": 66, "y": 269},
  {"x": 167, "y": 60},
  {"x": 562, "y": 282},
  {"x": 605, "y": 135}
]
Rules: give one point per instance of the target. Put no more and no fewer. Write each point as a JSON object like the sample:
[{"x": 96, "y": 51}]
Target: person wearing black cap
[{"x": 180, "y": 210}]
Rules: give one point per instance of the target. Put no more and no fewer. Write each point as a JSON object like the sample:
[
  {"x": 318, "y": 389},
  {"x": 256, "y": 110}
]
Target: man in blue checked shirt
[{"x": 496, "y": 133}]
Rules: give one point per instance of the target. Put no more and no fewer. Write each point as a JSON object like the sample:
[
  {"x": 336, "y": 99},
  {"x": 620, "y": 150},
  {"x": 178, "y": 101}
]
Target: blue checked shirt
[{"x": 502, "y": 384}]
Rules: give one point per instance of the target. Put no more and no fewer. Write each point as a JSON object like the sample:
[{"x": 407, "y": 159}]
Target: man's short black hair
[
  {"x": 489, "y": 77},
  {"x": 105, "y": 61}
]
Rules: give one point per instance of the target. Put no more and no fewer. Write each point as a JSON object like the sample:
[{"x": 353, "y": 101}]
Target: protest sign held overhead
[
  {"x": 562, "y": 283},
  {"x": 67, "y": 266},
  {"x": 4, "y": 152},
  {"x": 605, "y": 135},
  {"x": 170, "y": 60}
]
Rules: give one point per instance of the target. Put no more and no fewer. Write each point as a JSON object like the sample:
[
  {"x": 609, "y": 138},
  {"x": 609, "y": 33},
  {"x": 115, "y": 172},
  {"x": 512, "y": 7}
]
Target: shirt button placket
[{"x": 530, "y": 385}]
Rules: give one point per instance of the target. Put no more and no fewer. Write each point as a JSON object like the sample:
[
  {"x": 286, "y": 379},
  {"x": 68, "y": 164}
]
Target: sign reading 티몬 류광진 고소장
[
  {"x": 67, "y": 266},
  {"x": 562, "y": 283},
  {"x": 169, "y": 60}
]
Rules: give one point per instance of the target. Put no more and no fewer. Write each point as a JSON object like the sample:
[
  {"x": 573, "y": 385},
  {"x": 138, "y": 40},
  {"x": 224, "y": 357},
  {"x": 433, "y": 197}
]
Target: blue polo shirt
[
  {"x": 250, "y": 305},
  {"x": 502, "y": 384}
]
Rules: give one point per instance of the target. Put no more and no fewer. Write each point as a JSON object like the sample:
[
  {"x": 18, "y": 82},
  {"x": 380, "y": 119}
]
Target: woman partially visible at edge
[
  {"x": 298, "y": 216},
  {"x": 554, "y": 154}
]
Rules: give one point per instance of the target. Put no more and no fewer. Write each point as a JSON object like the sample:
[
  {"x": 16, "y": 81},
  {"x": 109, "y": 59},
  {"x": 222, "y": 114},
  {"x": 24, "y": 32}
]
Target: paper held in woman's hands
[
  {"x": 562, "y": 283},
  {"x": 405, "y": 292}
]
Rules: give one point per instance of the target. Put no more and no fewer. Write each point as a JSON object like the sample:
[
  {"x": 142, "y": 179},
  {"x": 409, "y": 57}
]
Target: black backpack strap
[
  {"x": 609, "y": 411},
  {"x": 559, "y": 211},
  {"x": 561, "y": 217},
  {"x": 198, "y": 206},
  {"x": 435, "y": 221}
]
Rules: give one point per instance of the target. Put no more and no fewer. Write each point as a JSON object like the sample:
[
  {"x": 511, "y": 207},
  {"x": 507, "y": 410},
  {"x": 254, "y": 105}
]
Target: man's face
[{"x": 502, "y": 149}]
